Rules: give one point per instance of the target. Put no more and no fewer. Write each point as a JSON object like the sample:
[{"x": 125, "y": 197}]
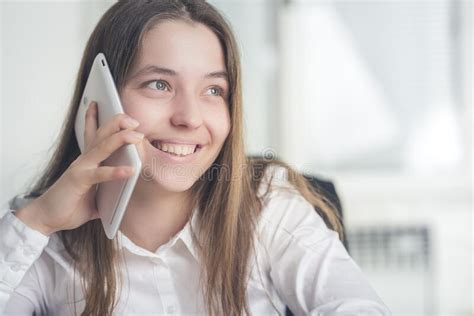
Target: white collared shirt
[{"x": 299, "y": 263}]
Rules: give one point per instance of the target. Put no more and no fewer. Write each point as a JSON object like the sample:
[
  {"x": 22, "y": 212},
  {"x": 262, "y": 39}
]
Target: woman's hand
[{"x": 70, "y": 201}]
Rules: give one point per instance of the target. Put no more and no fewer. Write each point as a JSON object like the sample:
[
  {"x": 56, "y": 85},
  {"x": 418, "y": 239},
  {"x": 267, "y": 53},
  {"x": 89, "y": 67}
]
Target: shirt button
[
  {"x": 16, "y": 267},
  {"x": 170, "y": 309}
]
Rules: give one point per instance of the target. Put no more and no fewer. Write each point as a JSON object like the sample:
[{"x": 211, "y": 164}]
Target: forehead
[{"x": 187, "y": 48}]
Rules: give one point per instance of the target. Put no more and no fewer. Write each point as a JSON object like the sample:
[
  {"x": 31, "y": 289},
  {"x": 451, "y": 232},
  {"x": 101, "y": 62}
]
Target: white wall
[
  {"x": 42, "y": 43},
  {"x": 358, "y": 86}
]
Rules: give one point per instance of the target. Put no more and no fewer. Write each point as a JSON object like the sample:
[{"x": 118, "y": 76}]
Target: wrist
[{"x": 31, "y": 215}]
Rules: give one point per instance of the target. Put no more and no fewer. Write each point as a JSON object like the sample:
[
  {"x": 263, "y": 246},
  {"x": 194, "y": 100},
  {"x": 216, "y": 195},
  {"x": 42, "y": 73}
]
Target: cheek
[
  {"x": 143, "y": 111},
  {"x": 218, "y": 121},
  {"x": 131, "y": 104},
  {"x": 135, "y": 112}
]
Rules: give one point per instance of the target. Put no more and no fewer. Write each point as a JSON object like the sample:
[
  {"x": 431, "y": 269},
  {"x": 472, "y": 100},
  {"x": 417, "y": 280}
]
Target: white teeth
[{"x": 181, "y": 150}]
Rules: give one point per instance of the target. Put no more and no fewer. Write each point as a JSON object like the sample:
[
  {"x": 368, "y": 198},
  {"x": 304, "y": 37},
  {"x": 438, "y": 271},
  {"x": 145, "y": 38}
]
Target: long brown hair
[{"x": 228, "y": 206}]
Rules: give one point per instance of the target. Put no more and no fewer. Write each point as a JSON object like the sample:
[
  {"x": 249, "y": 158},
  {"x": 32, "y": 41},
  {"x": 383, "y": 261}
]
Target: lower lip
[{"x": 176, "y": 159}]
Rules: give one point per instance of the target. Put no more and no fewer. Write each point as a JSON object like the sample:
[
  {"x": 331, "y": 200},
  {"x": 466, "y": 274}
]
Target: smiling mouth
[{"x": 177, "y": 150}]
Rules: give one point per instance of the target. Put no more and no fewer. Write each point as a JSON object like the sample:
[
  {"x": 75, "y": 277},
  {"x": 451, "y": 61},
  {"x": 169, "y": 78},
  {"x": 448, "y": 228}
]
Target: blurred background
[{"x": 375, "y": 96}]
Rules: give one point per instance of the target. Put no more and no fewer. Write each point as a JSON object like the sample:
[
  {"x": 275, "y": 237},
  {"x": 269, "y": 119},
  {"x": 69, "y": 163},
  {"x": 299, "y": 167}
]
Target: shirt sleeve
[
  {"x": 311, "y": 270},
  {"x": 20, "y": 247}
]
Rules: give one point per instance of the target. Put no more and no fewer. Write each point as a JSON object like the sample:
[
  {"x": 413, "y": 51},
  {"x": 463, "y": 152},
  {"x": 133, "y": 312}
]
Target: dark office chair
[{"x": 327, "y": 189}]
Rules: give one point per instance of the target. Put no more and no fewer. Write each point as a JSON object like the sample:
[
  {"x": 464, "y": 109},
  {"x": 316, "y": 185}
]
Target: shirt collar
[{"x": 184, "y": 235}]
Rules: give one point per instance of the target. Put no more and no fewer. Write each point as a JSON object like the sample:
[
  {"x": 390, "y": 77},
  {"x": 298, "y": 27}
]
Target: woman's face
[{"x": 177, "y": 90}]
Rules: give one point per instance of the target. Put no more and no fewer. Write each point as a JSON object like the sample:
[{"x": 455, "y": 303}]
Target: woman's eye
[
  {"x": 163, "y": 86},
  {"x": 158, "y": 85},
  {"x": 216, "y": 91}
]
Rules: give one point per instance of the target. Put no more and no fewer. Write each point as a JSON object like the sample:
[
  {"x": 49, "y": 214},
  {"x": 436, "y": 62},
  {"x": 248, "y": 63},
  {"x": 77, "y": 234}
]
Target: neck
[{"x": 154, "y": 216}]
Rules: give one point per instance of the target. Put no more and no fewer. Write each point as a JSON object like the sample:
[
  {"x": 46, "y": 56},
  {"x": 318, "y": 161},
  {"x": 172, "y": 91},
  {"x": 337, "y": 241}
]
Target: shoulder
[
  {"x": 289, "y": 228},
  {"x": 285, "y": 210},
  {"x": 275, "y": 182},
  {"x": 281, "y": 198}
]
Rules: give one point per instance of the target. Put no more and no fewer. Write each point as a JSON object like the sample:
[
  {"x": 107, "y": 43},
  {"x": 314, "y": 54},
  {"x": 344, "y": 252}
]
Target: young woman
[{"x": 207, "y": 230}]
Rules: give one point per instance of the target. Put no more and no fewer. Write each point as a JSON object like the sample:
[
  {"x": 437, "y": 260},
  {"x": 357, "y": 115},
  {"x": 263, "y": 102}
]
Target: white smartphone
[{"x": 112, "y": 197}]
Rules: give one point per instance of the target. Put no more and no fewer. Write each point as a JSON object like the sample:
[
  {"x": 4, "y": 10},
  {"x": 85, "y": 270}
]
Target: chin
[{"x": 172, "y": 182}]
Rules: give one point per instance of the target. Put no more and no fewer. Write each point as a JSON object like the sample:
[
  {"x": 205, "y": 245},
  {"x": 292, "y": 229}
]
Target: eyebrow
[{"x": 165, "y": 71}]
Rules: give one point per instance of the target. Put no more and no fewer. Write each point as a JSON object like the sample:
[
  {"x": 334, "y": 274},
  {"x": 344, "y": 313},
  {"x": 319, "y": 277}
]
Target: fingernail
[
  {"x": 131, "y": 122},
  {"x": 91, "y": 107},
  {"x": 137, "y": 136}
]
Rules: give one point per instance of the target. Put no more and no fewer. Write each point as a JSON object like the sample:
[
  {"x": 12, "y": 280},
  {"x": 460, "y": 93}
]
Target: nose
[{"x": 186, "y": 111}]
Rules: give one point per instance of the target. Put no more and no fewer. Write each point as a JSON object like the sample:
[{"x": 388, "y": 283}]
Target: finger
[
  {"x": 109, "y": 145},
  {"x": 103, "y": 174},
  {"x": 117, "y": 123},
  {"x": 91, "y": 124}
]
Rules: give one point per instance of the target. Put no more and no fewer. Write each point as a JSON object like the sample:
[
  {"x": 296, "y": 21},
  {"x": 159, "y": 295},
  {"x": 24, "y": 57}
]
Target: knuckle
[
  {"x": 89, "y": 146},
  {"x": 120, "y": 117},
  {"x": 96, "y": 175},
  {"x": 123, "y": 136},
  {"x": 76, "y": 163},
  {"x": 106, "y": 146},
  {"x": 74, "y": 175}
]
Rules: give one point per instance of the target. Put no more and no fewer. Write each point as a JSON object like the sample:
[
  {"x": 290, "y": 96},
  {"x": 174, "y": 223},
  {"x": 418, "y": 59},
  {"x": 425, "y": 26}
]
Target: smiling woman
[{"x": 207, "y": 230}]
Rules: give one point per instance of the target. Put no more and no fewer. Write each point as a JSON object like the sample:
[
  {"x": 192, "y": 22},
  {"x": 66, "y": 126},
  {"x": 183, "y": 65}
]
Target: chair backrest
[{"x": 328, "y": 190}]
